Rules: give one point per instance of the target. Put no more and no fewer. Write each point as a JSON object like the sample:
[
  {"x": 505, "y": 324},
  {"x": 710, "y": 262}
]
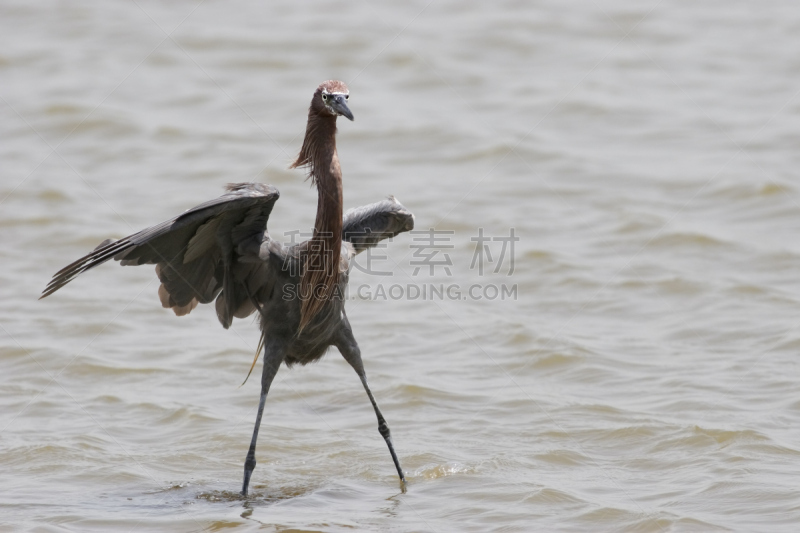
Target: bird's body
[{"x": 221, "y": 251}]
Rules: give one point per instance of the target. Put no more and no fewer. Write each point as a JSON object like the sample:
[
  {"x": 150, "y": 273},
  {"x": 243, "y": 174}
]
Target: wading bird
[{"x": 221, "y": 250}]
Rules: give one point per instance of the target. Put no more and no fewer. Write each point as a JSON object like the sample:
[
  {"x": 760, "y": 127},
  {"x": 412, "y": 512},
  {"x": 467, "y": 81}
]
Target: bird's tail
[
  {"x": 255, "y": 358},
  {"x": 261, "y": 339}
]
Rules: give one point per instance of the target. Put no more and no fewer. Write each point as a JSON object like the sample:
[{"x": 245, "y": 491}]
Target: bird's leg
[
  {"x": 352, "y": 354},
  {"x": 273, "y": 357},
  {"x": 383, "y": 428}
]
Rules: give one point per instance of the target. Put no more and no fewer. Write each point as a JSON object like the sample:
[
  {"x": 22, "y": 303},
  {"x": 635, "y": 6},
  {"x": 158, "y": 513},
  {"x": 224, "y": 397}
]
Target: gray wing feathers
[
  {"x": 364, "y": 227},
  {"x": 193, "y": 252},
  {"x": 203, "y": 240}
]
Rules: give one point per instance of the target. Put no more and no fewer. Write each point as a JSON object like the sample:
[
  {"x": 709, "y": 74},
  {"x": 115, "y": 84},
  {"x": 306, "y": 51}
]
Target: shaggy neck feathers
[{"x": 321, "y": 264}]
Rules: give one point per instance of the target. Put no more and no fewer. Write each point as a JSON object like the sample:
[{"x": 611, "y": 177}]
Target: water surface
[{"x": 644, "y": 379}]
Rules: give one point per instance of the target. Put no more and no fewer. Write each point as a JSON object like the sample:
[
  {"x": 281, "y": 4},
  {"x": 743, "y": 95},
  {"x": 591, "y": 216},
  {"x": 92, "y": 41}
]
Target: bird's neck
[
  {"x": 326, "y": 173},
  {"x": 321, "y": 273}
]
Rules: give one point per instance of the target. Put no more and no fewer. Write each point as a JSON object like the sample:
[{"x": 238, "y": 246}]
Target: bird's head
[{"x": 330, "y": 99}]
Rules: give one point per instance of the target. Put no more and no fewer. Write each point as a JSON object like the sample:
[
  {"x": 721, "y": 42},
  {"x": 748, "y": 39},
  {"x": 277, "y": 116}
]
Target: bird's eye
[
  {"x": 347, "y": 97},
  {"x": 325, "y": 97}
]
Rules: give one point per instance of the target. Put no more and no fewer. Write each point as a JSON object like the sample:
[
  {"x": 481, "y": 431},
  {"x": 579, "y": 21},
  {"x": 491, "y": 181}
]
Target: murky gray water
[{"x": 644, "y": 379}]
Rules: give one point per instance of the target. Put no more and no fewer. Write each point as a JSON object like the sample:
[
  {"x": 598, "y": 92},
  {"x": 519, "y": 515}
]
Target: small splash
[
  {"x": 438, "y": 471},
  {"x": 215, "y": 496},
  {"x": 255, "y": 495},
  {"x": 174, "y": 486}
]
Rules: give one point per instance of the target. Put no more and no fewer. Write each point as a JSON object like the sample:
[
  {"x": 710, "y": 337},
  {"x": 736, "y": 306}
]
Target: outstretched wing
[
  {"x": 195, "y": 253},
  {"x": 364, "y": 227}
]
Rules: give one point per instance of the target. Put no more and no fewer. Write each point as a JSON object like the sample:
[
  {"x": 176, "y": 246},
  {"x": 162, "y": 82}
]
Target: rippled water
[{"x": 644, "y": 379}]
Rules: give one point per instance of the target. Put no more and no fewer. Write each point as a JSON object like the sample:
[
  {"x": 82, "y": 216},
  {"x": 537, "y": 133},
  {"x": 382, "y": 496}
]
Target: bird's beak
[{"x": 339, "y": 104}]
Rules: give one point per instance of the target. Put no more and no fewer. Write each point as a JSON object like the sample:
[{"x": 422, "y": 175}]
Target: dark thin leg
[
  {"x": 352, "y": 354},
  {"x": 383, "y": 428},
  {"x": 273, "y": 357}
]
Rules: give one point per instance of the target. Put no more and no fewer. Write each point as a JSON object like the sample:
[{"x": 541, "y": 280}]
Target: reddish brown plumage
[{"x": 318, "y": 153}]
